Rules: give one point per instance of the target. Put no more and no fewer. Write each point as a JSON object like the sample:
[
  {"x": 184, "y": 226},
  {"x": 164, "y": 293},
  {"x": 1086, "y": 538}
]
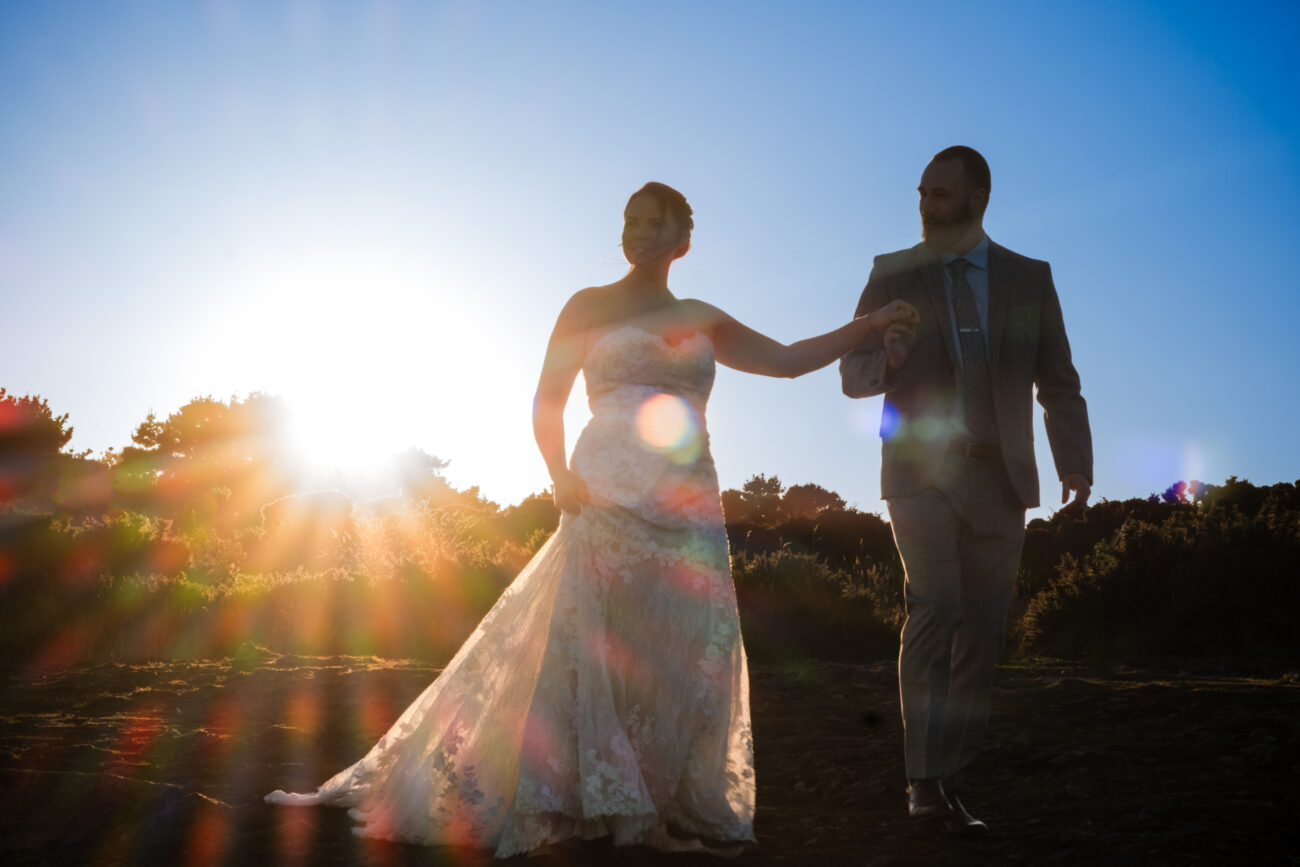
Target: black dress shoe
[
  {"x": 926, "y": 801},
  {"x": 960, "y": 823}
]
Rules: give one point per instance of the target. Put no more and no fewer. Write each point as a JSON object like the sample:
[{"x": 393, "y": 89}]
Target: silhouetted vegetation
[
  {"x": 812, "y": 575},
  {"x": 199, "y": 538},
  {"x": 202, "y": 536},
  {"x": 1202, "y": 570}
]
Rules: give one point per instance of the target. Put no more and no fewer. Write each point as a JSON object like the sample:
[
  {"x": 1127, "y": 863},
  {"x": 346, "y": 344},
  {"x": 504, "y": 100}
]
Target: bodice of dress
[
  {"x": 646, "y": 446},
  {"x": 628, "y": 365}
]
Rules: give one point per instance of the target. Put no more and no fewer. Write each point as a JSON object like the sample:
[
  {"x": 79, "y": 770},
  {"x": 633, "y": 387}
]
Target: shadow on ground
[{"x": 166, "y": 763}]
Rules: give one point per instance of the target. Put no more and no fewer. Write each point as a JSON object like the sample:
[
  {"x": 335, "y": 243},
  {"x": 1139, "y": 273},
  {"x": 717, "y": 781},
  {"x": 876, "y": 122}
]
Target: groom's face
[{"x": 948, "y": 202}]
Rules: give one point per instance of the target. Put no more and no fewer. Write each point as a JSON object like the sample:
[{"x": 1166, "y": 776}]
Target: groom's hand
[
  {"x": 899, "y": 340},
  {"x": 896, "y": 312},
  {"x": 1082, "y": 488}
]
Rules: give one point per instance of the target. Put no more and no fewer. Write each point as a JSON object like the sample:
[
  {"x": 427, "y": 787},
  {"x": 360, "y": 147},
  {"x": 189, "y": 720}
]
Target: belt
[{"x": 975, "y": 451}]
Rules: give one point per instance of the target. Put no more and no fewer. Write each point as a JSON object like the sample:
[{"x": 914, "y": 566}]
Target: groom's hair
[{"x": 973, "y": 166}]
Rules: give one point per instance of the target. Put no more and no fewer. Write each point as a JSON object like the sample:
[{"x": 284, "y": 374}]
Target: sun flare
[
  {"x": 323, "y": 436},
  {"x": 376, "y": 351},
  {"x": 341, "y": 341}
]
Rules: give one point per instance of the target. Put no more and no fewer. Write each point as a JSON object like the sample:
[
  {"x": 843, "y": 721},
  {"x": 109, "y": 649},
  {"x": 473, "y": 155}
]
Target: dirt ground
[{"x": 166, "y": 763}]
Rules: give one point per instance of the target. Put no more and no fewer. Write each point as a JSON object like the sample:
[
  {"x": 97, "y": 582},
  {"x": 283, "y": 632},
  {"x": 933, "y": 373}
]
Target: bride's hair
[{"x": 674, "y": 203}]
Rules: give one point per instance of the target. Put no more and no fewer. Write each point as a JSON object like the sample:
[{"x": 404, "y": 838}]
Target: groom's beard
[{"x": 939, "y": 234}]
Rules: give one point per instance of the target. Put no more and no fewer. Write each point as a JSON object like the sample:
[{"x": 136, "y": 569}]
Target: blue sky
[{"x": 376, "y": 210}]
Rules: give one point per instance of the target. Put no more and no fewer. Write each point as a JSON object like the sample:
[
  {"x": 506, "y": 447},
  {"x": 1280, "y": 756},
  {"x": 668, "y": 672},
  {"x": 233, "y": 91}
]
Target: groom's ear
[{"x": 980, "y": 198}]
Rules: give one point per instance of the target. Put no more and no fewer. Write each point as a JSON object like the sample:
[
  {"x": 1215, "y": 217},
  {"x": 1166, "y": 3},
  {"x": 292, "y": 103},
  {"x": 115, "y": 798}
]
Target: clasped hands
[{"x": 896, "y": 323}]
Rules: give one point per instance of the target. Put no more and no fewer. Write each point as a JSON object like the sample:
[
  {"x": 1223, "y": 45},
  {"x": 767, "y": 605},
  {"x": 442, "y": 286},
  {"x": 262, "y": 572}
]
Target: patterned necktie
[{"x": 977, "y": 385}]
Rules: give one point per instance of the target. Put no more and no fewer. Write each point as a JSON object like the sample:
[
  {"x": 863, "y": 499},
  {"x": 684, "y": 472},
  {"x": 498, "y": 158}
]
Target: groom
[{"x": 958, "y": 468}]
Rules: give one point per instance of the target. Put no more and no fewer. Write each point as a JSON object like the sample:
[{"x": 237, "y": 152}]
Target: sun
[
  {"x": 343, "y": 341},
  {"x": 325, "y": 438},
  {"x": 376, "y": 349}
]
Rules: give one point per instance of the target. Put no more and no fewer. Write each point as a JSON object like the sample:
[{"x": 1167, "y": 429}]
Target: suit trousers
[{"x": 960, "y": 542}]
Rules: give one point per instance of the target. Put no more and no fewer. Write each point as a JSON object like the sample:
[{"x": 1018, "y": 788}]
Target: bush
[
  {"x": 404, "y": 580},
  {"x": 794, "y": 604},
  {"x": 1198, "y": 570},
  {"x": 1203, "y": 581}
]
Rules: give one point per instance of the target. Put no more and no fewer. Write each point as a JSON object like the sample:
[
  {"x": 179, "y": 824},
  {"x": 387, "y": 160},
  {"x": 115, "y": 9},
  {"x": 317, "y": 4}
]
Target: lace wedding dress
[{"x": 606, "y": 692}]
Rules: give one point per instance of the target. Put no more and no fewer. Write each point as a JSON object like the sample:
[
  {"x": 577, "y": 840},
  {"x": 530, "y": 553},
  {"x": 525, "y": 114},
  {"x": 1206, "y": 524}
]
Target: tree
[
  {"x": 210, "y": 457},
  {"x": 1175, "y": 493},
  {"x": 32, "y": 442},
  {"x": 420, "y": 475},
  {"x": 734, "y": 510},
  {"x": 29, "y": 427},
  {"x": 208, "y": 431},
  {"x": 536, "y": 512},
  {"x": 761, "y": 498},
  {"x": 810, "y": 501}
]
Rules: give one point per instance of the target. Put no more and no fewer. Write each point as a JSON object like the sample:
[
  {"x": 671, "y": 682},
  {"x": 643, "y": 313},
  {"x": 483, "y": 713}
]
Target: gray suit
[{"x": 959, "y": 522}]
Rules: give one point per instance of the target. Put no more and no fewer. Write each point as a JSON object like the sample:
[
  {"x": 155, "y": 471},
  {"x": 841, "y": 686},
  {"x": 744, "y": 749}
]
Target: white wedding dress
[{"x": 606, "y": 692}]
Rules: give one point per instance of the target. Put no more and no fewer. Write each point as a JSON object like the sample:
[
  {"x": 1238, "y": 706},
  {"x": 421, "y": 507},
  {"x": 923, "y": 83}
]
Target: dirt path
[{"x": 166, "y": 763}]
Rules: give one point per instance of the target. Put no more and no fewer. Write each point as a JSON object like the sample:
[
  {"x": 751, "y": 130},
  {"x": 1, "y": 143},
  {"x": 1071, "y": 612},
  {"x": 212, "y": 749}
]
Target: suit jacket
[{"x": 1028, "y": 350}]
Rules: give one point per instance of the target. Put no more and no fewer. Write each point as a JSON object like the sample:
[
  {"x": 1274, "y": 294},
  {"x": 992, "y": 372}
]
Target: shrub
[
  {"x": 792, "y": 603},
  {"x": 1201, "y": 582}
]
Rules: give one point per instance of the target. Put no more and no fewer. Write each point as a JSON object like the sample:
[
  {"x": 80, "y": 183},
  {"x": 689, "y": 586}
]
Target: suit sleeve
[
  {"x": 864, "y": 371},
  {"x": 1065, "y": 412}
]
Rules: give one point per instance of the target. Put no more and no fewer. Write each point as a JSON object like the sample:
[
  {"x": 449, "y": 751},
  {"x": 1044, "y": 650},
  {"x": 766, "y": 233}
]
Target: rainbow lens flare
[{"x": 670, "y": 426}]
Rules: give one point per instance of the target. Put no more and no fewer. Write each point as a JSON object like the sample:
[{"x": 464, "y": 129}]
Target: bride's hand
[
  {"x": 896, "y": 312},
  {"x": 569, "y": 492}
]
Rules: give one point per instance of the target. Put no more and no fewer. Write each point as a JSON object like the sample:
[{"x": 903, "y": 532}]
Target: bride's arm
[
  {"x": 564, "y": 356},
  {"x": 743, "y": 348}
]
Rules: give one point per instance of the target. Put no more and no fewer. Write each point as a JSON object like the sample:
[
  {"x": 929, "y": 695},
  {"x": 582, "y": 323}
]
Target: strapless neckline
[{"x": 679, "y": 346}]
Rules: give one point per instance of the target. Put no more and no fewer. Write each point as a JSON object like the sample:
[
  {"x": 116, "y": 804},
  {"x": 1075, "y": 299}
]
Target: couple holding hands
[{"x": 606, "y": 692}]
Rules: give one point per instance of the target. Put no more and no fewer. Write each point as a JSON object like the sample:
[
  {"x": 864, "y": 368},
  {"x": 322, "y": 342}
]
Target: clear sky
[{"x": 377, "y": 209}]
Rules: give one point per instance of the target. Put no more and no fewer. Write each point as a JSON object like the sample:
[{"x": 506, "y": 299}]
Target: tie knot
[{"x": 958, "y": 267}]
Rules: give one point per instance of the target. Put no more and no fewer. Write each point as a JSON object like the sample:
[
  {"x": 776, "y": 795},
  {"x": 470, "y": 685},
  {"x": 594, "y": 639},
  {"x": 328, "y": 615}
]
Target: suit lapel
[{"x": 1002, "y": 282}]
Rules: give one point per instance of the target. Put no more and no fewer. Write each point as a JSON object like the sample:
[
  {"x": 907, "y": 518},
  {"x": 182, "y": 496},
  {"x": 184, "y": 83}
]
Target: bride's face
[{"x": 649, "y": 231}]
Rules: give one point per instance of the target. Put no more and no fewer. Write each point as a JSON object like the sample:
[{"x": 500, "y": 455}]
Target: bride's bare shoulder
[
  {"x": 583, "y": 305},
  {"x": 589, "y": 295},
  {"x": 590, "y": 298},
  {"x": 704, "y": 315}
]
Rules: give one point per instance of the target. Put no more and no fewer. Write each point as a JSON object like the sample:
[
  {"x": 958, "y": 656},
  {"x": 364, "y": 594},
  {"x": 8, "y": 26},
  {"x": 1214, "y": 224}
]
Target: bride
[{"x": 606, "y": 692}]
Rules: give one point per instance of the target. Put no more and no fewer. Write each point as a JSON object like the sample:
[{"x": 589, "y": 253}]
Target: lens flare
[
  {"x": 209, "y": 836},
  {"x": 670, "y": 426},
  {"x": 294, "y": 830},
  {"x": 1193, "y": 462},
  {"x": 889, "y": 421}
]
